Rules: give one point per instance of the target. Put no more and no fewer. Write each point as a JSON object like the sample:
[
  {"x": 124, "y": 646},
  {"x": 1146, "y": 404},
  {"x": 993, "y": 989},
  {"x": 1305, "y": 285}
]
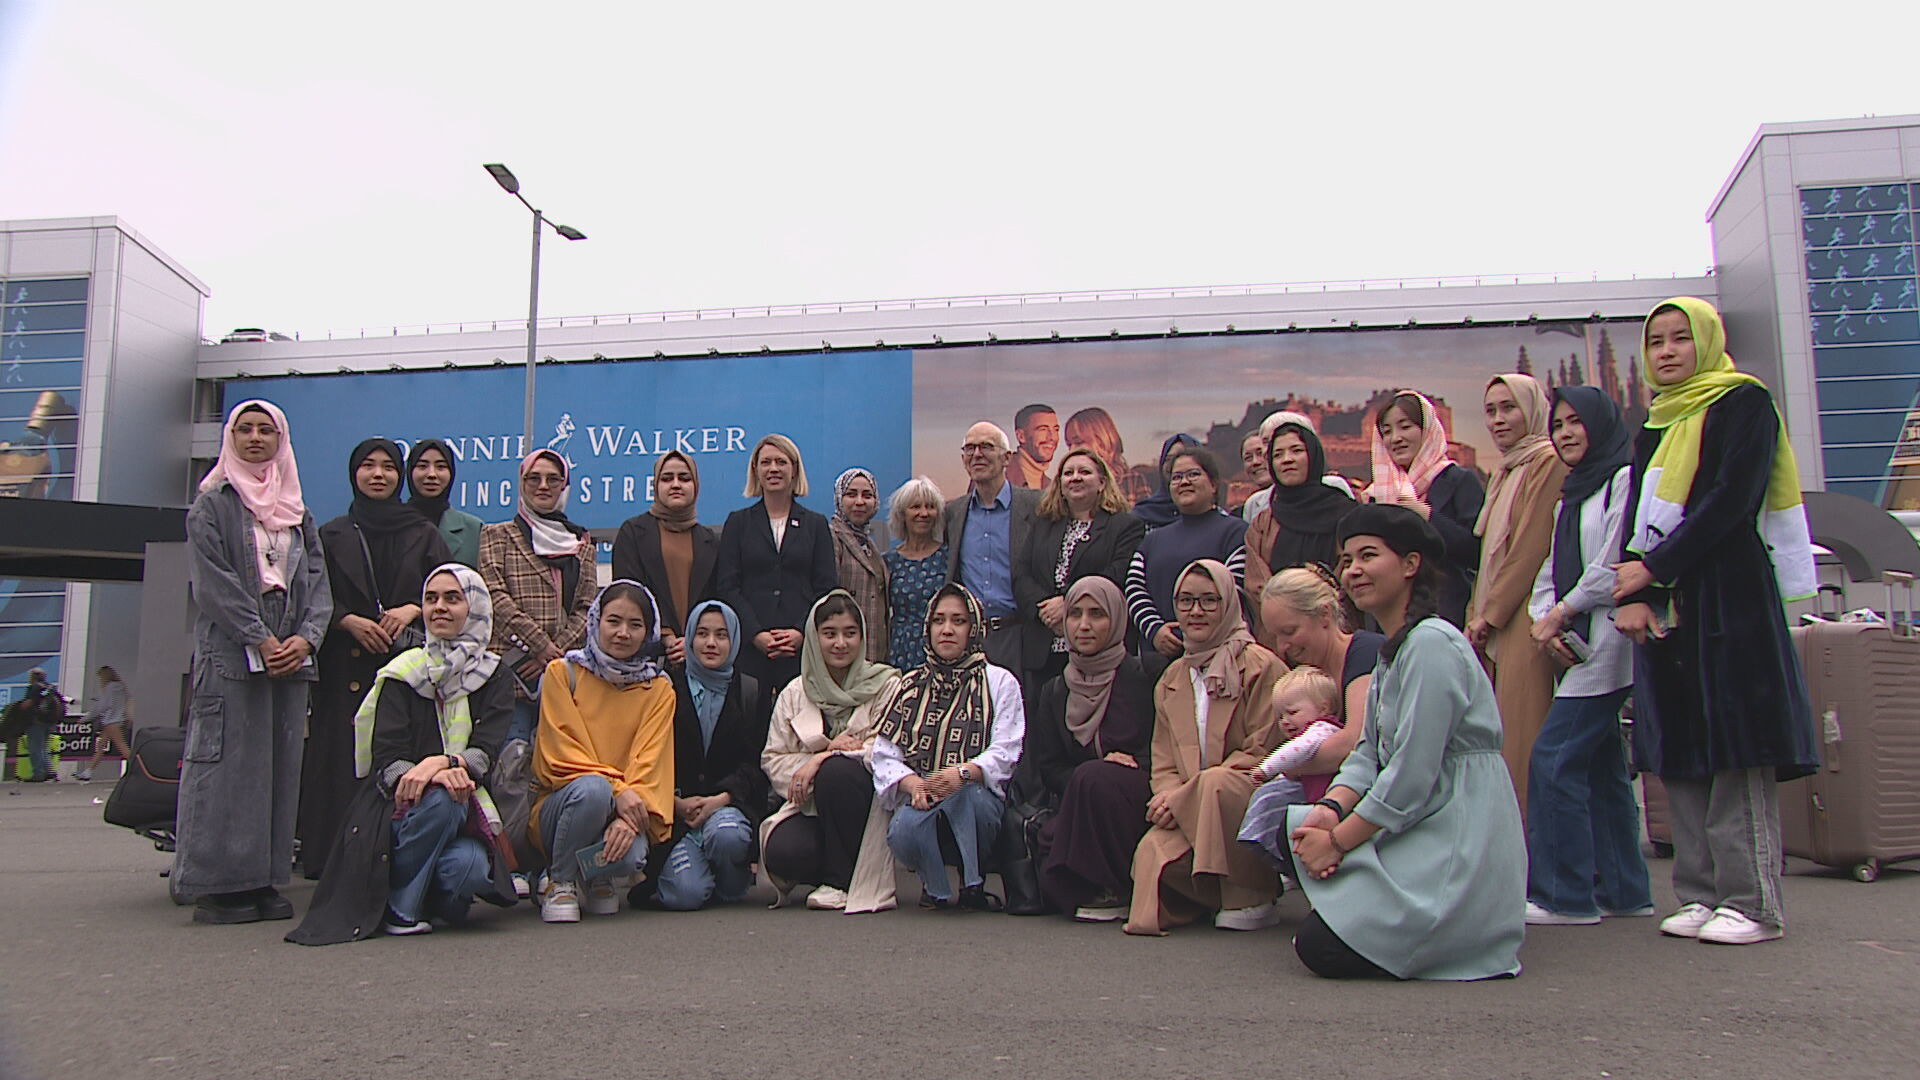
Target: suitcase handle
[{"x": 1898, "y": 582}]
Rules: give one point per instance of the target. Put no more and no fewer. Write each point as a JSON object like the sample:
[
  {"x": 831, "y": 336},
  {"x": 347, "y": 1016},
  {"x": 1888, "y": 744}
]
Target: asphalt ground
[{"x": 103, "y": 976}]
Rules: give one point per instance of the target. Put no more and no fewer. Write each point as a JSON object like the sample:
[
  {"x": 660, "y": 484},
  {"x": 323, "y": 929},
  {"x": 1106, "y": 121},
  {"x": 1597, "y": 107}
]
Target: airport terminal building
[{"x": 113, "y": 394}]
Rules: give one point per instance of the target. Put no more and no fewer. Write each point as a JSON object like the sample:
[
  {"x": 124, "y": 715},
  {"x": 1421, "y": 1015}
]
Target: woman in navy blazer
[{"x": 776, "y": 559}]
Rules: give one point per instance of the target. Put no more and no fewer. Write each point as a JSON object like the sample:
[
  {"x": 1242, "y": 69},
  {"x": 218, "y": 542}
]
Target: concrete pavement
[{"x": 102, "y": 976}]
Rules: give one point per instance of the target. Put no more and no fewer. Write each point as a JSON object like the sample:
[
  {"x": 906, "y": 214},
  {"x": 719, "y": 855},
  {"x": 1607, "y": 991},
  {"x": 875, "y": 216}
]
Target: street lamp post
[{"x": 511, "y": 185}]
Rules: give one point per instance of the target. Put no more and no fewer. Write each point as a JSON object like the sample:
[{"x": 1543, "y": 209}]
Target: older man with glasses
[{"x": 985, "y": 527}]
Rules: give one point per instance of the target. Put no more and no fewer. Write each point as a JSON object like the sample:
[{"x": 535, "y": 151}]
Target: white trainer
[
  {"x": 521, "y": 888},
  {"x": 827, "y": 898},
  {"x": 1539, "y": 916},
  {"x": 559, "y": 901},
  {"x": 1730, "y": 927},
  {"x": 603, "y": 898},
  {"x": 1687, "y": 921},
  {"x": 1258, "y": 917},
  {"x": 1099, "y": 914},
  {"x": 403, "y": 929}
]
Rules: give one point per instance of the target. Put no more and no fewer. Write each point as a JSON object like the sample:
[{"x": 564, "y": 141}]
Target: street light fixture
[{"x": 511, "y": 185}]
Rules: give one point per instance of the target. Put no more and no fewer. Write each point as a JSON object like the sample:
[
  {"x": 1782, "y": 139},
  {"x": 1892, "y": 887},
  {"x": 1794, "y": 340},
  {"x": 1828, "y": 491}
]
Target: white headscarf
[{"x": 461, "y": 664}]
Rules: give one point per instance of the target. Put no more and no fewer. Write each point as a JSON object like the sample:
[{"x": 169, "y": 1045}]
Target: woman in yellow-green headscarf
[{"x": 1713, "y": 544}]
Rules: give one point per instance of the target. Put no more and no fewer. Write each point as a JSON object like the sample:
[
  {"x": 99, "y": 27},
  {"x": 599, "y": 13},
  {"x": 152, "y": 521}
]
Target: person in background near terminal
[
  {"x": 111, "y": 710},
  {"x": 419, "y": 844},
  {"x": 1410, "y": 469},
  {"x": 1089, "y": 746},
  {"x": 261, "y": 599},
  {"x": 1037, "y": 430},
  {"x": 1297, "y": 528},
  {"x": 1515, "y": 530},
  {"x": 720, "y": 794},
  {"x": 1200, "y": 531},
  {"x": 430, "y": 472},
  {"x": 1583, "y": 826},
  {"x": 776, "y": 559},
  {"x": 863, "y": 572},
  {"x": 1213, "y": 724},
  {"x": 916, "y": 568},
  {"x": 1714, "y": 543},
  {"x": 603, "y": 764},
  {"x": 1157, "y": 509},
  {"x": 1414, "y": 860},
  {"x": 540, "y": 569},
  {"x": 985, "y": 528},
  {"x": 829, "y": 832},
  {"x": 1253, "y": 458},
  {"x": 43, "y": 707},
  {"x": 948, "y": 741},
  {"x": 667, "y": 550},
  {"x": 1084, "y": 529},
  {"x": 379, "y": 554},
  {"x": 1094, "y": 429}
]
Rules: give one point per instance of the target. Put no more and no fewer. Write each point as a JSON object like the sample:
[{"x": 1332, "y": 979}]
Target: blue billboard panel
[{"x": 611, "y": 421}]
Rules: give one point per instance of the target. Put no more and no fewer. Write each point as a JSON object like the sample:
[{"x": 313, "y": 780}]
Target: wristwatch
[{"x": 965, "y": 776}]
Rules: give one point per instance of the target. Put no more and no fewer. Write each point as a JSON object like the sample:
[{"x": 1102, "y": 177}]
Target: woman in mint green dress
[{"x": 1415, "y": 861}]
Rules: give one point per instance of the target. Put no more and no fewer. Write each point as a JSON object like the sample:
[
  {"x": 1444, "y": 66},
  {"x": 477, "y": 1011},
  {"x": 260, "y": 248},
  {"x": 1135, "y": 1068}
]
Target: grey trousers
[{"x": 1726, "y": 842}]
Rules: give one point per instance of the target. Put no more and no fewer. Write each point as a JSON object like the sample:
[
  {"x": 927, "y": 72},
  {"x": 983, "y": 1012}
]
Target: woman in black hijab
[
  {"x": 1298, "y": 526},
  {"x": 379, "y": 554},
  {"x": 430, "y": 473}
]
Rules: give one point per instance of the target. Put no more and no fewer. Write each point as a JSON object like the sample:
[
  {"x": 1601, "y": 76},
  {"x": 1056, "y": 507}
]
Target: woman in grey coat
[{"x": 260, "y": 584}]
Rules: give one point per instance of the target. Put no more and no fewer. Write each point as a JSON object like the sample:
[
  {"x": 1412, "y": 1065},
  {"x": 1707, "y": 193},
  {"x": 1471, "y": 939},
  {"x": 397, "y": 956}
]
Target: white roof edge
[
  {"x": 109, "y": 221},
  {"x": 1803, "y": 127}
]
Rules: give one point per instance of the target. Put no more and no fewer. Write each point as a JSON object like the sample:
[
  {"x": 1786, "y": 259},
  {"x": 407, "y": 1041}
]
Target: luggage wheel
[
  {"x": 1662, "y": 849},
  {"x": 1868, "y": 872}
]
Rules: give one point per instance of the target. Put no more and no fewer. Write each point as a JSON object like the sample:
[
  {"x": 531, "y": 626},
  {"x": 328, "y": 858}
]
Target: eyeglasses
[
  {"x": 1188, "y": 476},
  {"x": 1184, "y": 602},
  {"x": 535, "y": 480},
  {"x": 980, "y": 449}
]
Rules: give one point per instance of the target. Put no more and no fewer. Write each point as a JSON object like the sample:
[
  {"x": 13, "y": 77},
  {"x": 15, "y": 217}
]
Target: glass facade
[
  {"x": 42, "y": 353},
  {"x": 1863, "y": 295}
]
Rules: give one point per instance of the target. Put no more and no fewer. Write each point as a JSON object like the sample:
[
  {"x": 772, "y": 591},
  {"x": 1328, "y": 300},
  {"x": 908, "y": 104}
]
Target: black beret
[{"x": 1403, "y": 530}]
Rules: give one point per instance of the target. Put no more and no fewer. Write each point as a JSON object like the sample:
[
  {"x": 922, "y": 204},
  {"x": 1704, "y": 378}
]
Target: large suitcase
[
  {"x": 146, "y": 798},
  {"x": 1862, "y": 808}
]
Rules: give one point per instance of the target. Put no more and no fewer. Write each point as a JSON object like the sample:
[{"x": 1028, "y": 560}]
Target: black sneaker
[
  {"x": 977, "y": 898},
  {"x": 271, "y": 905},
  {"x": 226, "y": 908}
]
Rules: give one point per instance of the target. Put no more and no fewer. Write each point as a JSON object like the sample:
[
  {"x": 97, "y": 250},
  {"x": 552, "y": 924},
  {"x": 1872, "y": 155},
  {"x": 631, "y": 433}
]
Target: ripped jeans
[{"x": 710, "y": 862}]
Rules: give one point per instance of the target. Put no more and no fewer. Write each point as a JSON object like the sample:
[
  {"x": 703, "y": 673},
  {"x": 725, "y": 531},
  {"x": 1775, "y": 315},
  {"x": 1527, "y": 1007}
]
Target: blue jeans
[
  {"x": 432, "y": 862},
  {"x": 37, "y": 735},
  {"x": 526, "y": 717},
  {"x": 973, "y": 813},
  {"x": 709, "y": 863},
  {"x": 576, "y": 817},
  {"x": 1583, "y": 825}
]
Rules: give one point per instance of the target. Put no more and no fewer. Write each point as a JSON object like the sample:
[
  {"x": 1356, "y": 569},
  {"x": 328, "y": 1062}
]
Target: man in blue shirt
[{"x": 985, "y": 527}]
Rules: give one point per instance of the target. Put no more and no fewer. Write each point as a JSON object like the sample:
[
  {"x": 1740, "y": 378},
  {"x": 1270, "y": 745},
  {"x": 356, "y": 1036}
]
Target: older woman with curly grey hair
[{"x": 916, "y": 568}]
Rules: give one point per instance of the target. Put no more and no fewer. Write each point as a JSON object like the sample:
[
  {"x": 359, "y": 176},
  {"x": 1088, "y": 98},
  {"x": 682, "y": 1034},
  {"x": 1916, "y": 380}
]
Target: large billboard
[{"x": 903, "y": 411}]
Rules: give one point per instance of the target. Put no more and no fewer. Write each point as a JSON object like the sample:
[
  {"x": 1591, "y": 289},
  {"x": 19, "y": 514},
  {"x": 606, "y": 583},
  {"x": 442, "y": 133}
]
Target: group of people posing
[{"x": 1147, "y": 712}]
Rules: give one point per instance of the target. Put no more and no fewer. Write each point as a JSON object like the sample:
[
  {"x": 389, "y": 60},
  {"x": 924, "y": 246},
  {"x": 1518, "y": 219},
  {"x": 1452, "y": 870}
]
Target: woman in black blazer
[
  {"x": 1084, "y": 528},
  {"x": 776, "y": 559},
  {"x": 668, "y": 550}
]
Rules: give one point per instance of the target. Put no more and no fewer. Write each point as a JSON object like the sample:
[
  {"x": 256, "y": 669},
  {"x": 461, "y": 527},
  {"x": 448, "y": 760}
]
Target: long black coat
[
  {"x": 1723, "y": 690},
  {"x": 1455, "y": 499},
  {"x": 1051, "y": 753},
  {"x": 773, "y": 588},
  {"x": 731, "y": 764},
  {"x": 351, "y": 899},
  {"x": 636, "y": 557},
  {"x": 1107, "y": 551}
]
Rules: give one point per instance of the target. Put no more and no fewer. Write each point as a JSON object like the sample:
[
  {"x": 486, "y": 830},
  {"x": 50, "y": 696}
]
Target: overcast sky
[{"x": 319, "y": 165}]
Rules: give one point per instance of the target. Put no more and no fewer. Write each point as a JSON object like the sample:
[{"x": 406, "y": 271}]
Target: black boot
[
  {"x": 226, "y": 908},
  {"x": 271, "y": 905}
]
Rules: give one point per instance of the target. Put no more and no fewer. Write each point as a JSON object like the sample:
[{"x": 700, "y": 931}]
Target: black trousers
[
  {"x": 1324, "y": 954},
  {"x": 821, "y": 850}
]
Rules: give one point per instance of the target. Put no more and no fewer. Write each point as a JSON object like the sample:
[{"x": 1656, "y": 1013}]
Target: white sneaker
[
  {"x": 1628, "y": 913},
  {"x": 400, "y": 929},
  {"x": 602, "y": 898},
  {"x": 83, "y": 777},
  {"x": 559, "y": 901},
  {"x": 1258, "y": 917},
  {"x": 827, "y": 898},
  {"x": 1539, "y": 916},
  {"x": 1101, "y": 914},
  {"x": 1729, "y": 927},
  {"x": 1687, "y": 921},
  {"x": 521, "y": 887}
]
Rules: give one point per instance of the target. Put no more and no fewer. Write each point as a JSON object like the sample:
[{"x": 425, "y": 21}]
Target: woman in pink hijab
[{"x": 259, "y": 584}]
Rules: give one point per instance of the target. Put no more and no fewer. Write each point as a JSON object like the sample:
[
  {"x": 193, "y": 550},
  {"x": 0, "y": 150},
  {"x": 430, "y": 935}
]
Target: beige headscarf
[
  {"x": 1532, "y": 449},
  {"x": 1217, "y": 658}
]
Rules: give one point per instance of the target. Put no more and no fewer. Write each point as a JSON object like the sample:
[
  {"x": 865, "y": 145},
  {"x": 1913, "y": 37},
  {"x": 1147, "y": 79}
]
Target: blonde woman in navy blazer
[{"x": 776, "y": 559}]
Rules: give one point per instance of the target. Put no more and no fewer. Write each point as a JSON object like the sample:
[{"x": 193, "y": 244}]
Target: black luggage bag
[{"x": 145, "y": 799}]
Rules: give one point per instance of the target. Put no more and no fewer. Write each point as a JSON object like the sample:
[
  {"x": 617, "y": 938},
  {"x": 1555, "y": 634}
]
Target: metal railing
[{"x": 974, "y": 300}]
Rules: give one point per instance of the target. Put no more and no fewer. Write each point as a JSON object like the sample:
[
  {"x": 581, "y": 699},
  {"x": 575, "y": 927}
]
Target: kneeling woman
[
  {"x": 418, "y": 840},
  {"x": 1414, "y": 861},
  {"x": 603, "y": 756},
  {"x": 948, "y": 741},
  {"x": 830, "y": 833},
  {"x": 1213, "y": 725},
  {"x": 720, "y": 794},
  {"x": 1090, "y": 747}
]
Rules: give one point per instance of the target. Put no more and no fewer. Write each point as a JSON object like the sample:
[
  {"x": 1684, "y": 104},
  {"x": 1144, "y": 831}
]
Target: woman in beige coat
[
  {"x": 1516, "y": 531},
  {"x": 831, "y": 832},
  {"x": 1213, "y": 723}
]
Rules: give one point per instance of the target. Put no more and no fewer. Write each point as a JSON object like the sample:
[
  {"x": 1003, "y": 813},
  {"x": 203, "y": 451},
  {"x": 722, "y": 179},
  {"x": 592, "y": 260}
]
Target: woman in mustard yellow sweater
[{"x": 603, "y": 757}]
